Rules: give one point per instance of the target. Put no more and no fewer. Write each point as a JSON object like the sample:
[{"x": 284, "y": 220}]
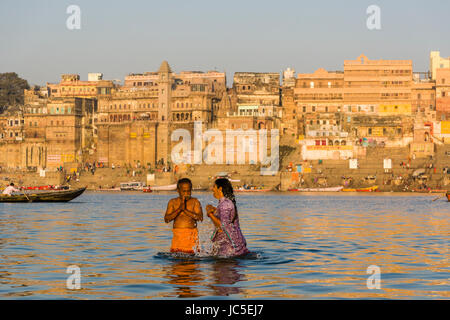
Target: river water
[{"x": 305, "y": 246}]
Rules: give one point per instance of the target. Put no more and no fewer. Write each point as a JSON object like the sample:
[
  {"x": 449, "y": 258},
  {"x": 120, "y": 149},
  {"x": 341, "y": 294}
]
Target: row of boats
[
  {"x": 335, "y": 189},
  {"x": 62, "y": 194}
]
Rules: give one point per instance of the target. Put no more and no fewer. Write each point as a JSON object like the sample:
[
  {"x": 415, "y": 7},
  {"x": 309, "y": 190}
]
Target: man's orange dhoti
[{"x": 185, "y": 240}]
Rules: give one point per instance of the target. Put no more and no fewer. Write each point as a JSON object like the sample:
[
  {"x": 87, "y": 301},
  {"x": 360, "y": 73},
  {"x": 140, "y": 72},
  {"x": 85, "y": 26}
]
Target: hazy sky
[{"x": 120, "y": 37}]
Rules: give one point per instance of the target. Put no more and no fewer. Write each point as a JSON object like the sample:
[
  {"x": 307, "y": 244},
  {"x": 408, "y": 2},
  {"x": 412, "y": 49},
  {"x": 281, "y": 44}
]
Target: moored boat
[
  {"x": 329, "y": 189},
  {"x": 131, "y": 186},
  {"x": 251, "y": 190},
  {"x": 429, "y": 191},
  {"x": 368, "y": 189},
  {"x": 43, "y": 196},
  {"x": 147, "y": 190},
  {"x": 170, "y": 187},
  {"x": 448, "y": 196}
]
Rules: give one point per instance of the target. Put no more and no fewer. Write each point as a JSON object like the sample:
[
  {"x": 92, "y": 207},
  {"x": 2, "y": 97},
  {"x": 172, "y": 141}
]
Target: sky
[{"x": 121, "y": 37}]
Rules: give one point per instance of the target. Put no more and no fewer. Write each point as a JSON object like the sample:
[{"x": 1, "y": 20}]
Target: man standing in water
[{"x": 185, "y": 212}]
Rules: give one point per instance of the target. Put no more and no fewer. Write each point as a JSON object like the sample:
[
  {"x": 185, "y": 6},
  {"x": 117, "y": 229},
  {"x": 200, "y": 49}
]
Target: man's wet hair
[
  {"x": 184, "y": 180},
  {"x": 11, "y": 184}
]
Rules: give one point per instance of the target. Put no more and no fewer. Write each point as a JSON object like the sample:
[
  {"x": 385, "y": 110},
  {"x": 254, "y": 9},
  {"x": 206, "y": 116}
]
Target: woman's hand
[{"x": 210, "y": 209}]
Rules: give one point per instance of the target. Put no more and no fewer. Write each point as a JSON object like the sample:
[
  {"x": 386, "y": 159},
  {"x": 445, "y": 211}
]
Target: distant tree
[{"x": 11, "y": 89}]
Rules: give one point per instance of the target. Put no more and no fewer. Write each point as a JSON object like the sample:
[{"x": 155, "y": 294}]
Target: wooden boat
[
  {"x": 170, "y": 187},
  {"x": 329, "y": 189},
  {"x": 200, "y": 189},
  {"x": 131, "y": 186},
  {"x": 43, "y": 196},
  {"x": 448, "y": 196},
  {"x": 48, "y": 187},
  {"x": 147, "y": 190},
  {"x": 429, "y": 191},
  {"x": 251, "y": 190},
  {"x": 368, "y": 189}
]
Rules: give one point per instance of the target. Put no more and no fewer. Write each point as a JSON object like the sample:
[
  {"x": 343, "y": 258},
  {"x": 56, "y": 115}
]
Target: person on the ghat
[{"x": 185, "y": 211}]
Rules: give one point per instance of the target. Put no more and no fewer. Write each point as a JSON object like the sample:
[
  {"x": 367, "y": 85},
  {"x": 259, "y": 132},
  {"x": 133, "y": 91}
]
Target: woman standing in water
[{"x": 227, "y": 239}]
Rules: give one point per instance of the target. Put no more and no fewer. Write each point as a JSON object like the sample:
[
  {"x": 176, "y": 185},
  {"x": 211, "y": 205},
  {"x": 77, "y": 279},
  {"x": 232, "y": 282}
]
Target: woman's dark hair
[{"x": 227, "y": 190}]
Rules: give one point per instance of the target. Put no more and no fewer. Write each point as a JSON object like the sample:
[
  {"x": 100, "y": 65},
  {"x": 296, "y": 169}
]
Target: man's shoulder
[{"x": 173, "y": 200}]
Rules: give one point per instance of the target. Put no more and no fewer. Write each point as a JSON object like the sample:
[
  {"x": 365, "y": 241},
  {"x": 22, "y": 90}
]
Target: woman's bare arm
[{"x": 216, "y": 221}]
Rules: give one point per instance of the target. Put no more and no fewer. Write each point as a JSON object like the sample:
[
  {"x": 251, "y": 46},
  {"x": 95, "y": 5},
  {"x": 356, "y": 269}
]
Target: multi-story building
[
  {"x": 377, "y": 86},
  {"x": 71, "y": 86},
  {"x": 140, "y": 116},
  {"x": 437, "y": 62},
  {"x": 443, "y": 94}
]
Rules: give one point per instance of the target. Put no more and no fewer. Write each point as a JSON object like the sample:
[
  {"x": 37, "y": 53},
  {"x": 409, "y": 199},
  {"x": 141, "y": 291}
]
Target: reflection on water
[
  {"x": 185, "y": 276},
  {"x": 305, "y": 247}
]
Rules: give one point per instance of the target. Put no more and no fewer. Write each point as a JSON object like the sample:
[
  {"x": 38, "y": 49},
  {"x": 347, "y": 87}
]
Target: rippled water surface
[{"x": 306, "y": 246}]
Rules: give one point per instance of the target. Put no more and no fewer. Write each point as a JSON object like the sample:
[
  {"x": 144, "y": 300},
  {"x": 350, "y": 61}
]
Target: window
[
  {"x": 370, "y": 131},
  {"x": 311, "y": 85},
  {"x": 304, "y": 109},
  {"x": 314, "y": 109}
]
